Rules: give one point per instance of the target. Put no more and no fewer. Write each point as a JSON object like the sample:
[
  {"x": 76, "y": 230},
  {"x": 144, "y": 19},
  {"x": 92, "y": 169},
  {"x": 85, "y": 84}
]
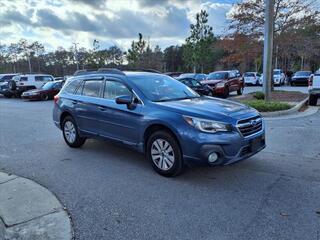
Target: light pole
[
  {"x": 76, "y": 54},
  {"x": 267, "y": 50}
]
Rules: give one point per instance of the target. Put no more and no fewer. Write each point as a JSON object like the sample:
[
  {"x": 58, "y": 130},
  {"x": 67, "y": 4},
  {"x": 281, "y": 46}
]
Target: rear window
[{"x": 72, "y": 86}]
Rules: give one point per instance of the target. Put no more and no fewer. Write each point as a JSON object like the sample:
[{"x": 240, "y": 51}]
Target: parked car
[
  {"x": 251, "y": 78},
  {"x": 46, "y": 92},
  {"x": 202, "y": 89},
  {"x": 22, "y": 83},
  {"x": 224, "y": 82},
  {"x": 7, "y": 77},
  {"x": 197, "y": 76},
  {"x": 159, "y": 116},
  {"x": 278, "y": 77},
  {"x": 300, "y": 77},
  {"x": 314, "y": 88},
  {"x": 173, "y": 74}
]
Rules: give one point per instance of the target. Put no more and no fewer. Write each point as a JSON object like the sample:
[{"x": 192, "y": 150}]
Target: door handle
[
  {"x": 102, "y": 108},
  {"x": 74, "y": 102}
]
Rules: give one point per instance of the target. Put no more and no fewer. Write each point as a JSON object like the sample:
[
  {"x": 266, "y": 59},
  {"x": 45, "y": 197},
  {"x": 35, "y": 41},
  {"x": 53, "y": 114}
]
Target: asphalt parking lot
[{"x": 112, "y": 192}]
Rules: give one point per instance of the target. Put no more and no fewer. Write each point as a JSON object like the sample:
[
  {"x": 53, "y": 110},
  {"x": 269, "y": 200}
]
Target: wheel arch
[{"x": 158, "y": 127}]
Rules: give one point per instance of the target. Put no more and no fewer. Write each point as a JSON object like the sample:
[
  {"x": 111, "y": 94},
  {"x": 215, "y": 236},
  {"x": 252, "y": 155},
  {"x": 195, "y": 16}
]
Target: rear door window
[{"x": 92, "y": 88}]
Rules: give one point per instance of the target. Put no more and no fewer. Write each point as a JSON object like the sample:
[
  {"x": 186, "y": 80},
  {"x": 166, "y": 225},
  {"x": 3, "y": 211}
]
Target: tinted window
[
  {"x": 218, "y": 75},
  {"x": 43, "y": 78},
  {"x": 92, "y": 88},
  {"x": 72, "y": 86},
  {"x": 114, "y": 89},
  {"x": 249, "y": 74},
  {"x": 24, "y": 79}
]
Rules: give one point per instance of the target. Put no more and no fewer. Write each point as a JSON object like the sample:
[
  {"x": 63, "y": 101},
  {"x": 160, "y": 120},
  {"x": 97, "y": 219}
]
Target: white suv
[
  {"x": 314, "y": 88},
  {"x": 22, "y": 83}
]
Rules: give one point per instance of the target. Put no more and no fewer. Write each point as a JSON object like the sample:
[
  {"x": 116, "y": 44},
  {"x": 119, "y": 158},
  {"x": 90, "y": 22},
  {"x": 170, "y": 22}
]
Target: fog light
[{"x": 213, "y": 157}]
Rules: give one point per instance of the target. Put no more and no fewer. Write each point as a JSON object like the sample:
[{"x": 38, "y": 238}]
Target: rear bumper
[{"x": 315, "y": 92}]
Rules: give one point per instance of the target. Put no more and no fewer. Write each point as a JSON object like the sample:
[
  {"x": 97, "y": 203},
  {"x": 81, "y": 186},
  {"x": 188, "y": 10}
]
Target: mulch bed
[{"x": 281, "y": 96}]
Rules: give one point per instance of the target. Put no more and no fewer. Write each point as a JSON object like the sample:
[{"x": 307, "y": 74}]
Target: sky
[{"x": 112, "y": 22}]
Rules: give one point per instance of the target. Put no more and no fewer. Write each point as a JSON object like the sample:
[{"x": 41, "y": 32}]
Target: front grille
[{"x": 250, "y": 126}]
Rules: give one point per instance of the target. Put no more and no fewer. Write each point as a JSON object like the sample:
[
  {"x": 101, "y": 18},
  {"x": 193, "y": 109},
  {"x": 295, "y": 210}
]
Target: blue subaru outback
[{"x": 159, "y": 116}]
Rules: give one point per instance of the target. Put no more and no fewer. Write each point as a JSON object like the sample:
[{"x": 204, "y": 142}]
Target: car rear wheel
[
  {"x": 44, "y": 97},
  {"x": 313, "y": 100},
  {"x": 8, "y": 95},
  {"x": 12, "y": 85},
  {"x": 70, "y": 133},
  {"x": 163, "y": 151}
]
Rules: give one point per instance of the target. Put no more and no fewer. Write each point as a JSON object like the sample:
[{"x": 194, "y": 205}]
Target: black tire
[
  {"x": 177, "y": 166},
  {"x": 44, "y": 97},
  {"x": 8, "y": 95},
  {"x": 12, "y": 85},
  {"x": 226, "y": 92},
  {"x": 78, "y": 141},
  {"x": 240, "y": 91},
  {"x": 313, "y": 100}
]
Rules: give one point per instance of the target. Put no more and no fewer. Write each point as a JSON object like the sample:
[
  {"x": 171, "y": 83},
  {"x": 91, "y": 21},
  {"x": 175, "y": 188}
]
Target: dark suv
[{"x": 157, "y": 115}]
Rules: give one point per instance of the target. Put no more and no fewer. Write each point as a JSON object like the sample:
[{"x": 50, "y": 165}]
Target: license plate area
[{"x": 256, "y": 143}]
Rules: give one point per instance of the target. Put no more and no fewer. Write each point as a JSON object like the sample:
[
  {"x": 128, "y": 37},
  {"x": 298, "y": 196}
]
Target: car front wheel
[
  {"x": 164, "y": 153},
  {"x": 240, "y": 91},
  {"x": 70, "y": 133}
]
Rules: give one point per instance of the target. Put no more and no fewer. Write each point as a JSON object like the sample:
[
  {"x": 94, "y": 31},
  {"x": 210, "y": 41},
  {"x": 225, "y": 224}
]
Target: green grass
[{"x": 263, "y": 106}]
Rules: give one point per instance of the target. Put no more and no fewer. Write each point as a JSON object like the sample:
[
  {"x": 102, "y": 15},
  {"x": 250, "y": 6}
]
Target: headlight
[
  {"x": 207, "y": 125},
  {"x": 220, "y": 85}
]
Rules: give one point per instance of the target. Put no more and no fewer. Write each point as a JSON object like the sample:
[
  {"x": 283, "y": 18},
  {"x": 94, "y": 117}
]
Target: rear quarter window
[{"x": 72, "y": 86}]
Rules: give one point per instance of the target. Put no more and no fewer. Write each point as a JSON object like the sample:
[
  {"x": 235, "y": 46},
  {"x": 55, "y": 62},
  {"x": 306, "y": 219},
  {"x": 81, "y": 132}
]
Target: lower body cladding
[{"x": 223, "y": 148}]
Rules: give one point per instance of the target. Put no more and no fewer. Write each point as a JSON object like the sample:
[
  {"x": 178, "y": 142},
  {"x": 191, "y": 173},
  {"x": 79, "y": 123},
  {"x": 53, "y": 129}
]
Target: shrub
[
  {"x": 259, "y": 95},
  {"x": 263, "y": 106}
]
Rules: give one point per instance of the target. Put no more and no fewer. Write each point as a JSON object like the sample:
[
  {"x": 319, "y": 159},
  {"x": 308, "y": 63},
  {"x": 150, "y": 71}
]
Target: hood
[
  {"x": 297, "y": 77},
  {"x": 213, "y": 81},
  {"x": 208, "y": 107}
]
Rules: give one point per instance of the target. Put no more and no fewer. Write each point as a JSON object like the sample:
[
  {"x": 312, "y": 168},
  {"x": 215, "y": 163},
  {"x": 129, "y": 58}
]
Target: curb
[
  {"x": 290, "y": 111},
  {"x": 30, "y": 211}
]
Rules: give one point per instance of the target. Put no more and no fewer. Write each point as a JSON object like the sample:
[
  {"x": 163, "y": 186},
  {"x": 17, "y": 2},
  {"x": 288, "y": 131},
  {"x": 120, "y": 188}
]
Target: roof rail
[
  {"x": 140, "y": 69},
  {"x": 111, "y": 70},
  {"x": 100, "y": 70}
]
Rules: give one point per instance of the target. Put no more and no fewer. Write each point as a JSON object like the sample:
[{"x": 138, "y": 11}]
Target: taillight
[
  {"x": 56, "y": 98},
  {"x": 310, "y": 81}
]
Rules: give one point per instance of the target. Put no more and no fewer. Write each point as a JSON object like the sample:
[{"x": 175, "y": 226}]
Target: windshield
[
  {"x": 218, "y": 75},
  {"x": 249, "y": 74},
  {"x": 159, "y": 88},
  {"x": 303, "y": 74},
  {"x": 48, "y": 85},
  {"x": 276, "y": 72}
]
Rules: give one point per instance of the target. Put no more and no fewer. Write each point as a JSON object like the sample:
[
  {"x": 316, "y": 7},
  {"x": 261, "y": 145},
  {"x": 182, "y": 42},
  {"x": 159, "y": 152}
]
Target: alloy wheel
[
  {"x": 69, "y": 131},
  {"x": 162, "y": 154}
]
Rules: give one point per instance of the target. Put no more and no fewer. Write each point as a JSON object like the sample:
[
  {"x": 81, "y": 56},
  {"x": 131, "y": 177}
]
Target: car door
[
  {"x": 118, "y": 122},
  {"x": 232, "y": 81},
  {"x": 87, "y": 105}
]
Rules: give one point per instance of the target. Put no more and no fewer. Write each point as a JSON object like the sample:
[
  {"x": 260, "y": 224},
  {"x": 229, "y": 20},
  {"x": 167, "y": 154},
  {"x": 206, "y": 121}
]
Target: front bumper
[{"x": 230, "y": 146}]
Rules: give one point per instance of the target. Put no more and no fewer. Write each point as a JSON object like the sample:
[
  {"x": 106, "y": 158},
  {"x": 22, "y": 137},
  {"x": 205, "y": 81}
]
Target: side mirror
[{"x": 126, "y": 99}]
